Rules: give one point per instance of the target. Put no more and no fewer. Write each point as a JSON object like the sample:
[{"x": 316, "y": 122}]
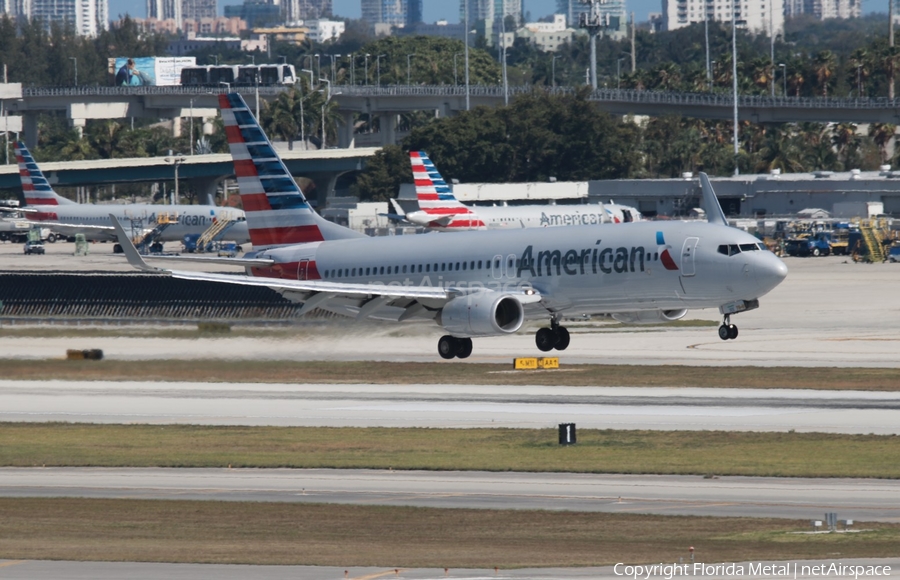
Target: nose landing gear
[
  {"x": 556, "y": 337},
  {"x": 727, "y": 330},
  {"x": 451, "y": 347}
]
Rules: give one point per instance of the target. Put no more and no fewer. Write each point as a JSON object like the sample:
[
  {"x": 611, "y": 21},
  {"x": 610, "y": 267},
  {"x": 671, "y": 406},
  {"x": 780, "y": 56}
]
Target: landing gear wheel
[
  {"x": 463, "y": 347},
  {"x": 732, "y": 331},
  {"x": 51, "y": 239},
  {"x": 448, "y": 346},
  {"x": 724, "y": 333},
  {"x": 545, "y": 339},
  {"x": 117, "y": 249},
  {"x": 562, "y": 338}
]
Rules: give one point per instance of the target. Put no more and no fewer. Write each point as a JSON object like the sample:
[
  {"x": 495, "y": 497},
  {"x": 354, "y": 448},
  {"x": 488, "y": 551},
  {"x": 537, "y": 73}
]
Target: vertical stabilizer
[
  {"x": 714, "y": 213},
  {"x": 435, "y": 197},
  {"x": 277, "y": 212},
  {"x": 35, "y": 187}
]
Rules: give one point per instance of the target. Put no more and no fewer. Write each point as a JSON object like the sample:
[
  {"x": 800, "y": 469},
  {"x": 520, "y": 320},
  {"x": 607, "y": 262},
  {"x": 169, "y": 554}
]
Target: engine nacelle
[
  {"x": 485, "y": 313},
  {"x": 649, "y": 316}
]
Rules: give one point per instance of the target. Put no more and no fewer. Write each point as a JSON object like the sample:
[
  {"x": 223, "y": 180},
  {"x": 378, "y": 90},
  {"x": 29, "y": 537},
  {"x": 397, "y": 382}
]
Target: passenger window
[
  {"x": 404, "y": 268},
  {"x": 382, "y": 270},
  {"x": 457, "y": 265},
  {"x": 472, "y": 265},
  {"x": 443, "y": 266},
  {"x": 479, "y": 264},
  {"x": 428, "y": 267},
  {"x": 420, "y": 268}
]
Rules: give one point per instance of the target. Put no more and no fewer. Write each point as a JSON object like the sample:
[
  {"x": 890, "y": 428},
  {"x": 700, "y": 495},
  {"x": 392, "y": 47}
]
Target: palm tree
[
  {"x": 823, "y": 65},
  {"x": 845, "y": 140},
  {"x": 283, "y": 116},
  {"x": 860, "y": 69},
  {"x": 881, "y": 134}
]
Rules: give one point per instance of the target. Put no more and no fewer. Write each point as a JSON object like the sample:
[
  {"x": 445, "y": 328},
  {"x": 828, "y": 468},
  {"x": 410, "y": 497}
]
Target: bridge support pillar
[
  {"x": 206, "y": 189},
  {"x": 30, "y": 128},
  {"x": 78, "y": 125},
  {"x": 388, "y": 124},
  {"x": 346, "y": 137},
  {"x": 176, "y": 127},
  {"x": 445, "y": 111}
]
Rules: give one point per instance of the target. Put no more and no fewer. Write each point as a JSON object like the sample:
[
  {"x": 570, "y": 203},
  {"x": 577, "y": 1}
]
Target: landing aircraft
[
  {"x": 483, "y": 283},
  {"x": 440, "y": 210},
  {"x": 44, "y": 207}
]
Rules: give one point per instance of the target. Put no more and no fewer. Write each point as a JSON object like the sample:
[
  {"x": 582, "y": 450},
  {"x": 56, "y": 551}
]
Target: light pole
[
  {"x": 408, "y": 61},
  {"x": 619, "y": 74},
  {"x": 283, "y": 58},
  {"x": 466, "y": 31},
  {"x": 333, "y": 56},
  {"x": 783, "y": 77},
  {"x": 324, "y": 105},
  {"x": 734, "y": 84},
  {"x": 367, "y": 55},
  {"x": 318, "y": 64},
  {"x": 352, "y": 81},
  {"x": 553, "y": 68},
  {"x": 455, "y": 76},
  {"x": 858, "y": 81},
  {"x": 192, "y": 126},
  {"x": 706, "y": 34},
  {"x": 712, "y": 80},
  {"x": 176, "y": 161},
  {"x": 311, "y": 79},
  {"x": 75, "y": 60},
  {"x": 378, "y": 67}
]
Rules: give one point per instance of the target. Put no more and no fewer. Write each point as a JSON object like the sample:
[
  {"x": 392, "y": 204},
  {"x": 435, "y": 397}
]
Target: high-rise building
[
  {"x": 295, "y": 10},
  {"x": 490, "y": 10},
  {"x": 197, "y": 9},
  {"x": 756, "y": 16},
  {"x": 166, "y": 9},
  {"x": 88, "y": 17},
  {"x": 413, "y": 12},
  {"x": 390, "y": 12},
  {"x": 823, "y": 9},
  {"x": 612, "y": 11}
]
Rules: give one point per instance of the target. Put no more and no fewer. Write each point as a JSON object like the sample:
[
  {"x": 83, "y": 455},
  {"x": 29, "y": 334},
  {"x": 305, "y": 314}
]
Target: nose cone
[{"x": 771, "y": 273}]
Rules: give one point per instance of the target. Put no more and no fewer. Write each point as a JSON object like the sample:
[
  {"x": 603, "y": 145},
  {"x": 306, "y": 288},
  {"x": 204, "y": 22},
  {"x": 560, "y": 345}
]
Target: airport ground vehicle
[
  {"x": 811, "y": 244},
  {"x": 34, "y": 247}
]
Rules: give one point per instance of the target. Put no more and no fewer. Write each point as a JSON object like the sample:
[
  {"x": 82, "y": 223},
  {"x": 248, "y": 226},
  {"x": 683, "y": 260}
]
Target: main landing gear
[
  {"x": 556, "y": 337},
  {"x": 450, "y": 347},
  {"x": 728, "y": 330}
]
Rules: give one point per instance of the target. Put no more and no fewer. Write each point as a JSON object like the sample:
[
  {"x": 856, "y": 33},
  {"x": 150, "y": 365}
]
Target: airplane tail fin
[
  {"x": 35, "y": 188},
  {"x": 435, "y": 197},
  {"x": 714, "y": 213},
  {"x": 277, "y": 212}
]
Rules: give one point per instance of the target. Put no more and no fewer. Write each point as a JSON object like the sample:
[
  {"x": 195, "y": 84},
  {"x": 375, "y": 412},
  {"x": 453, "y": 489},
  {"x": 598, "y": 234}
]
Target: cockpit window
[
  {"x": 762, "y": 247},
  {"x": 749, "y": 247},
  {"x": 734, "y": 249}
]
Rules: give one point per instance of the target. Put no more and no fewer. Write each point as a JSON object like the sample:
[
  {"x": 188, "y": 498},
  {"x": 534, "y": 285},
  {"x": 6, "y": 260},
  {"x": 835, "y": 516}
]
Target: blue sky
[{"x": 442, "y": 9}]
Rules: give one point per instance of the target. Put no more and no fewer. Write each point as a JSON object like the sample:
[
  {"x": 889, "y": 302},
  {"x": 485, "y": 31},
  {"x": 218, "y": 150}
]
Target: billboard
[{"x": 149, "y": 70}]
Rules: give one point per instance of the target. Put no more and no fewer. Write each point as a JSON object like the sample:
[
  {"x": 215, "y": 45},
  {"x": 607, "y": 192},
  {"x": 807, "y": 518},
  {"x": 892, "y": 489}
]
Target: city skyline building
[
  {"x": 824, "y": 9},
  {"x": 614, "y": 10},
  {"x": 197, "y": 9},
  {"x": 384, "y": 12},
  {"x": 166, "y": 10},
  {"x": 755, "y": 16},
  {"x": 88, "y": 17}
]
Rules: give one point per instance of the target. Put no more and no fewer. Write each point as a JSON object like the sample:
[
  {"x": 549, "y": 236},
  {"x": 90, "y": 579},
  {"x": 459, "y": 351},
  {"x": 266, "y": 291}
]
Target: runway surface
[
  {"x": 46, "y": 570},
  {"x": 795, "y": 498},
  {"x": 452, "y": 406}
]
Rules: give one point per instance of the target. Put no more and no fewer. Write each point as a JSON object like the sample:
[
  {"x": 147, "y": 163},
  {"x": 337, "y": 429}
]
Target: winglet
[
  {"x": 131, "y": 253},
  {"x": 714, "y": 213}
]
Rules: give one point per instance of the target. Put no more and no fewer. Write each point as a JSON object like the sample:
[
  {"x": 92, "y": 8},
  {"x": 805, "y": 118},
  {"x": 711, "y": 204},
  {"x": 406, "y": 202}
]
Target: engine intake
[
  {"x": 485, "y": 313},
  {"x": 649, "y": 316}
]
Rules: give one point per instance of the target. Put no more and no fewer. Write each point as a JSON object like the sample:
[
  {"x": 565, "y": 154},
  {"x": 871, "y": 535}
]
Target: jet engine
[
  {"x": 482, "y": 314},
  {"x": 649, "y": 316}
]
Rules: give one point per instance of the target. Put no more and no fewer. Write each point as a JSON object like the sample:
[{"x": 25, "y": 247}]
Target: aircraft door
[
  {"x": 687, "y": 256},
  {"x": 497, "y": 267},
  {"x": 303, "y": 270}
]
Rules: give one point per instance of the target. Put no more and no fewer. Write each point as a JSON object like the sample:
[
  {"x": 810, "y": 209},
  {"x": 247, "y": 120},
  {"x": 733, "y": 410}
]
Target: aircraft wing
[
  {"x": 245, "y": 262},
  {"x": 18, "y": 209},
  {"x": 420, "y": 218}
]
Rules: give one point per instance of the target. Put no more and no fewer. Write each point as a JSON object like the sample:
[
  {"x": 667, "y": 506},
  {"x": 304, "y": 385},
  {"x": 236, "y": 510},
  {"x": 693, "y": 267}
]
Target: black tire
[
  {"x": 117, "y": 249},
  {"x": 448, "y": 346},
  {"x": 816, "y": 252},
  {"x": 732, "y": 331},
  {"x": 562, "y": 338},
  {"x": 545, "y": 339},
  {"x": 51, "y": 239},
  {"x": 464, "y": 347},
  {"x": 724, "y": 333}
]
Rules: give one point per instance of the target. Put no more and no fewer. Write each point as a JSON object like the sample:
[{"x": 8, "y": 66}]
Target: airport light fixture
[
  {"x": 75, "y": 60},
  {"x": 734, "y": 84},
  {"x": 455, "y": 76},
  {"x": 176, "y": 161},
  {"x": 784, "y": 76},
  {"x": 366, "y": 64},
  {"x": 378, "y": 67},
  {"x": 325, "y": 104},
  {"x": 352, "y": 82},
  {"x": 318, "y": 63},
  {"x": 312, "y": 79},
  {"x": 466, "y": 32}
]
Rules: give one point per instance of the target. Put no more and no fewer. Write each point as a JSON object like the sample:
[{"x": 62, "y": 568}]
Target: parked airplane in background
[
  {"x": 483, "y": 283},
  {"x": 46, "y": 208},
  {"x": 440, "y": 210}
]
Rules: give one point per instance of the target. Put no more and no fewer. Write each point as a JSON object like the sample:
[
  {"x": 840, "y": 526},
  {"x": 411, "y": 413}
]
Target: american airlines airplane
[
  {"x": 483, "y": 283},
  {"x": 46, "y": 208},
  {"x": 440, "y": 210}
]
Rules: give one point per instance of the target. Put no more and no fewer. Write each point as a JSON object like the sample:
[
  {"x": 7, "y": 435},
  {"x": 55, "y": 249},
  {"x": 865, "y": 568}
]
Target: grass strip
[
  {"x": 597, "y": 451},
  {"x": 336, "y": 372},
  {"x": 344, "y": 535}
]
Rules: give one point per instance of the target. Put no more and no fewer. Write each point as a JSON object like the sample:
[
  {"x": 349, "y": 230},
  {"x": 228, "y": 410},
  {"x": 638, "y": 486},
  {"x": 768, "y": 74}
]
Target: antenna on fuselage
[{"x": 714, "y": 213}]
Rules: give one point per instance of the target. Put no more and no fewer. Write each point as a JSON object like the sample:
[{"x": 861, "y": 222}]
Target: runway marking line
[
  {"x": 12, "y": 563},
  {"x": 378, "y": 574}
]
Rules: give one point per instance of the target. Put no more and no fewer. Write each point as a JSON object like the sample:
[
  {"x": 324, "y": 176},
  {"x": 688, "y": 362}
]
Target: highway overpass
[
  {"x": 204, "y": 172},
  {"x": 82, "y": 103}
]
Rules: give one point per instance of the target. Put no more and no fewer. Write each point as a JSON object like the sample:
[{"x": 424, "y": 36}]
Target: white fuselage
[
  {"x": 93, "y": 220},
  {"x": 526, "y": 216},
  {"x": 578, "y": 270}
]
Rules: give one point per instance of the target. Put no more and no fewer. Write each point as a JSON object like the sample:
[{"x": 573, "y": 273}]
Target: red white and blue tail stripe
[
  {"x": 435, "y": 197},
  {"x": 277, "y": 212},
  {"x": 35, "y": 187}
]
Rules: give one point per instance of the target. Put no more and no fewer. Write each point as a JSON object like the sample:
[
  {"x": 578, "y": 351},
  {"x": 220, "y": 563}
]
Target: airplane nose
[{"x": 771, "y": 273}]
